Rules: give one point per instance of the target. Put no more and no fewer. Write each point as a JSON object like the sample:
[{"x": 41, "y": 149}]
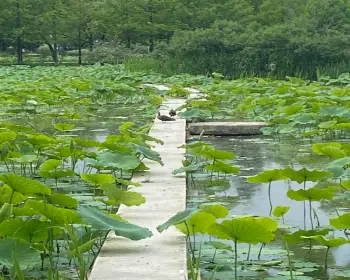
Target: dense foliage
[{"x": 234, "y": 37}]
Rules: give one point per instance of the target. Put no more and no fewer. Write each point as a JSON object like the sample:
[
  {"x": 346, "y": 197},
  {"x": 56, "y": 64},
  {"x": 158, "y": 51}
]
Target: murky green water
[{"x": 256, "y": 154}]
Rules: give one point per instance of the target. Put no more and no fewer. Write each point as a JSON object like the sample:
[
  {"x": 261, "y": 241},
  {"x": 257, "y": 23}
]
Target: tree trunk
[
  {"x": 80, "y": 61},
  {"x": 53, "y": 50},
  {"x": 19, "y": 44}
]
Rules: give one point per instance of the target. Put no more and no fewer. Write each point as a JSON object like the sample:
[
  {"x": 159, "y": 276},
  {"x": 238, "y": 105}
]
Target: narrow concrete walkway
[{"x": 163, "y": 256}]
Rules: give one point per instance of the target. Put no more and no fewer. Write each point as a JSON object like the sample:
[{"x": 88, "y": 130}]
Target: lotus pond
[
  {"x": 276, "y": 206},
  {"x": 71, "y": 139}
]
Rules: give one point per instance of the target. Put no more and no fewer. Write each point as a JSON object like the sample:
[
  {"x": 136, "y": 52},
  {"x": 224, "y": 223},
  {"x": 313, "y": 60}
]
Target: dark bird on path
[
  {"x": 172, "y": 113},
  {"x": 164, "y": 118}
]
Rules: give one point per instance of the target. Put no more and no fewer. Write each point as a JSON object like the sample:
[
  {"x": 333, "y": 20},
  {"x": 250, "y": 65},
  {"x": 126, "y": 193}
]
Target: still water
[{"x": 257, "y": 154}]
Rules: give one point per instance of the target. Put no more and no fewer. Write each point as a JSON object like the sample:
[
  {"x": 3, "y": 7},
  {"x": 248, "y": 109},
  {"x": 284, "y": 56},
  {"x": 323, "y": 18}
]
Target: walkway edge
[{"x": 164, "y": 255}]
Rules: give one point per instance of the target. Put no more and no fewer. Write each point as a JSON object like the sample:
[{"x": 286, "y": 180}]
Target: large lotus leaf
[
  {"x": 280, "y": 211},
  {"x": 267, "y": 222},
  {"x": 40, "y": 140},
  {"x": 13, "y": 249},
  {"x": 127, "y": 182},
  {"x": 55, "y": 174},
  {"x": 50, "y": 164},
  {"x": 56, "y": 215},
  {"x": 64, "y": 126},
  {"x": 127, "y": 198},
  {"x": 209, "y": 152},
  {"x": 99, "y": 220},
  {"x": 118, "y": 160},
  {"x": 219, "y": 211},
  {"x": 98, "y": 179},
  {"x": 303, "y": 119},
  {"x": 218, "y": 245},
  {"x": 148, "y": 153},
  {"x": 190, "y": 114},
  {"x": 5, "y": 212},
  {"x": 314, "y": 194},
  {"x": 342, "y": 222},
  {"x": 329, "y": 111},
  {"x": 327, "y": 125},
  {"x": 24, "y": 212},
  {"x": 24, "y": 185},
  {"x": 179, "y": 218},
  {"x": 63, "y": 200},
  {"x": 342, "y": 162},
  {"x": 267, "y": 176},
  {"x": 6, "y": 136},
  {"x": 332, "y": 243},
  {"x": 329, "y": 149},
  {"x": 219, "y": 166},
  {"x": 24, "y": 159},
  {"x": 197, "y": 223},
  {"x": 117, "y": 147},
  {"x": 81, "y": 249},
  {"x": 304, "y": 174},
  {"x": 297, "y": 236},
  {"x": 32, "y": 230},
  {"x": 9, "y": 196},
  {"x": 188, "y": 168},
  {"x": 245, "y": 230}
]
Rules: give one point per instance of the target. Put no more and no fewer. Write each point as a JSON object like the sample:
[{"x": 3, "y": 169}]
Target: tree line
[{"x": 234, "y": 37}]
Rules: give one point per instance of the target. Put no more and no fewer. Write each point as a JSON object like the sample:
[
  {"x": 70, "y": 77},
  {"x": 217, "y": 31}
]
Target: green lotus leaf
[
  {"x": 217, "y": 210},
  {"x": 219, "y": 166},
  {"x": 98, "y": 179},
  {"x": 55, "y": 174},
  {"x": 190, "y": 114},
  {"x": 313, "y": 194},
  {"x": 297, "y": 236},
  {"x": 219, "y": 245},
  {"x": 32, "y": 230},
  {"x": 304, "y": 174},
  {"x": 50, "y": 164},
  {"x": 332, "y": 243},
  {"x": 6, "y": 136},
  {"x": 327, "y": 125},
  {"x": 63, "y": 200},
  {"x": 119, "y": 196},
  {"x": 179, "y": 218},
  {"x": 127, "y": 182},
  {"x": 148, "y": 153},
  {"x": 197, "y": 223},
  {"x": 188, "y": 168},
  {"x": 13, "y": 250},
  {"x": 5, "y": 212},
  {"x": 245, "y": 230},
  {"x": 100, "y": 221},
  {"x": 81, "y": 249},
  {"x": 23, "y": 185},
  {"x": 56, "y": 215},
  {"x": 267, "y": 176},
  {"x": 209, "y": 152},
  {"x": 64, "y": 126},
  {"x": 118, "y": 160},
  {"x": 341, "y": 222},
  {"x": 280, "y": 211}
]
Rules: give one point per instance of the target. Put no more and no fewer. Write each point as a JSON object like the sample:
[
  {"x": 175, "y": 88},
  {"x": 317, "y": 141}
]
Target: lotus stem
[
  {"x": 211, "y": 175},
  {"x": 310, "y": 209},
  {"x": 289, "y": 261},
  {"x": 249, "y": 248},
  {"x": 269, "y": 192},
  {"x": 214, "y": 256},
  {"x": 236, "y": 256},
  {"x": 326, "y": 260},
  {"x": 262, "y": 246}
]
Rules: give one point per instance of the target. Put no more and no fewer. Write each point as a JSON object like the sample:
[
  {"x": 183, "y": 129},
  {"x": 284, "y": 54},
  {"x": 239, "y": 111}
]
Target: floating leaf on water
[
  {"x": 219, "y": 245},
  {"x": 286, "y": 273}
]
